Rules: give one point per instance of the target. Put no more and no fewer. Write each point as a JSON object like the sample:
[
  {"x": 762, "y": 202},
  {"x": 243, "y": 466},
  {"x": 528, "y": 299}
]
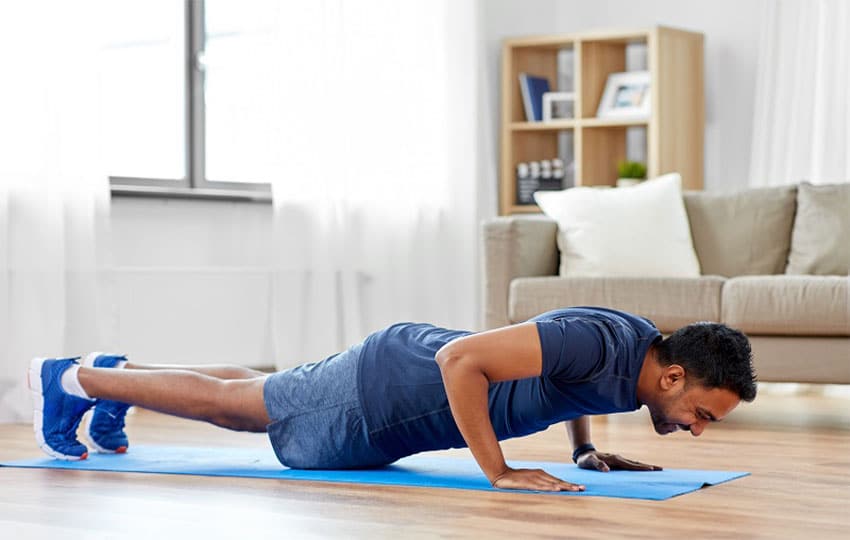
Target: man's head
[{"x": 701, "y": 373}]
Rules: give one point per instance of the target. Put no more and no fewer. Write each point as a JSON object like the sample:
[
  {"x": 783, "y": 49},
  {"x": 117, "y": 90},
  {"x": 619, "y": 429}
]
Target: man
[{"x": 416, "y": 387}]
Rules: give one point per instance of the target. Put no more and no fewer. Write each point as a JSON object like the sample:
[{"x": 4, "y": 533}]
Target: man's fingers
[
  {"x": 630, "y": 465},
  {"x": 536, "y": 485},
  {"x": 638, "y": 466},
  {"x": 563, "y": 485},
  {"x": 537, "y": 480},
  {"x": 604, "y": 462},
  {"x": 601, "y": 466},
  {"x": 594, "y": 461},
  {"x": 545, "y": 481}
]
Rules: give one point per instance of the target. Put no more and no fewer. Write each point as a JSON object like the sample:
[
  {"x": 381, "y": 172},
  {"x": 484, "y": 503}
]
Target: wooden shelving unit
[{"x": 674, "y": 129}]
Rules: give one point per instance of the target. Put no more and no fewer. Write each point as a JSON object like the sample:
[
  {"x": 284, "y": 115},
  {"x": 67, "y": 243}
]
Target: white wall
[
  {"x": 192, "y": 280},
  {"x": 731, "y": 29}
]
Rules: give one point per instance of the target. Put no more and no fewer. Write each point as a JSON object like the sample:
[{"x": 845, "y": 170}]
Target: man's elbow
[
  {"x": 458, "y": 363},
  {"x": 449, "y": 356}
]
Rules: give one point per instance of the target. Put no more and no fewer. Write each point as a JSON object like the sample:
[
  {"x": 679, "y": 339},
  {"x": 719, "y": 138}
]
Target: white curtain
[
  {"x": 801, "y": 126},
  {"x": 53, "y": 197},
  {"x": 375, "y": 187}
]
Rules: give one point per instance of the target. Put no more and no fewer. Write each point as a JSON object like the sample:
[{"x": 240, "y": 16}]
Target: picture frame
[
  {"x": 558, "y": 106},
  {"x": 626, "y": 95}
]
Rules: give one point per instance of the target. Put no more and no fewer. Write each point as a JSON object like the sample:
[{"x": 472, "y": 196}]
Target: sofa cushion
[
  {"x": 669, "y": 302},
  {"x": 788, "y": 305},
  {"x": 742, "y": 233},
  {"x": 635, "y": 231},
  {"x": 820, "y": 242}
]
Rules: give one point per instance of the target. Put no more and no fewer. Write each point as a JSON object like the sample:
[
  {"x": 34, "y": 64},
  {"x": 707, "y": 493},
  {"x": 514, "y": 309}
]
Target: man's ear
[{"x": 671, "y": 376}]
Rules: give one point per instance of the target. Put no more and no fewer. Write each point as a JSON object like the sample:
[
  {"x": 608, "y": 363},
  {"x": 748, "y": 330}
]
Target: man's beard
[{"x": 660, "y": 423}]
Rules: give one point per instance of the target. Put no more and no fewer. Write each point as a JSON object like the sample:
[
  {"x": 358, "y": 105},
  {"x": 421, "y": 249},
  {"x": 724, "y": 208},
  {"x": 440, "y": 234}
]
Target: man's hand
[
  {"x": 600, "y": 461},
  {"x": 533, "y": 479}
]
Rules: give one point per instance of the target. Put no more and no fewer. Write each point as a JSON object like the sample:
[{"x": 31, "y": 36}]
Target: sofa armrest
[{"x": 514, "y": 246}]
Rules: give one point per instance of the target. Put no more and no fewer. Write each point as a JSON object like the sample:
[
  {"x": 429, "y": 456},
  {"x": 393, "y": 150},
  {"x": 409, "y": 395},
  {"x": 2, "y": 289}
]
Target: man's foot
[
  {"x": 57, "y": 414},
  {"x": 106, "y": 427}
]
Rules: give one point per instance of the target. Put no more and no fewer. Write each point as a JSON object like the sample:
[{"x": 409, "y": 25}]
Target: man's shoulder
[{"x": 617, "y": 322}]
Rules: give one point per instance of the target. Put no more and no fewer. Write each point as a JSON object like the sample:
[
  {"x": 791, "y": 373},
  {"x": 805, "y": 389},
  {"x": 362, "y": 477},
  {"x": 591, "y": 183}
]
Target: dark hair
[{"x": 718, "y": 356}]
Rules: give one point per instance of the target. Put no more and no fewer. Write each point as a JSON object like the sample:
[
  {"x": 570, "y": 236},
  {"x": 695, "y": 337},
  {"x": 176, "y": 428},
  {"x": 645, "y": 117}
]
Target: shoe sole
[
  {"x": 36, "y": 387},
  {"x": 98, "y": 448}
]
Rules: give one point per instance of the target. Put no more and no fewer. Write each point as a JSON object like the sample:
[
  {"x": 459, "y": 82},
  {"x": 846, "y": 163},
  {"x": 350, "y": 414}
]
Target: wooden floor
[{"x": 797, "y": 448}]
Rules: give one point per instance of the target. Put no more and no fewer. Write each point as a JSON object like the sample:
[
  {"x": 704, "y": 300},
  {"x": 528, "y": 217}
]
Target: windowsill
[{"x": 160, "y": 192}]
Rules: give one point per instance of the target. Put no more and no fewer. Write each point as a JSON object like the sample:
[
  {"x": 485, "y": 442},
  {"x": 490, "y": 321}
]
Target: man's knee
[{"x": 237, "y": 405}]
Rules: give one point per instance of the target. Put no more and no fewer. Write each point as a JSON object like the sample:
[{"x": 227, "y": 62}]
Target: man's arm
[
  {"x": 468, "y": 365},
  {"x": 579, "y": 432}
]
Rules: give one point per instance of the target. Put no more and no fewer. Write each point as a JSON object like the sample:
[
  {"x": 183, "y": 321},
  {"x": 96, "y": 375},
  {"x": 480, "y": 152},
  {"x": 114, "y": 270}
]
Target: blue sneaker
[
  {"x": 57, "y": 414},
  {"x": 106, "y": 427}
]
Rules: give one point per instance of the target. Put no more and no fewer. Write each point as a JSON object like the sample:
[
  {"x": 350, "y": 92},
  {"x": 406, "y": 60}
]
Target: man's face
[{"x": 691, "y": 407}]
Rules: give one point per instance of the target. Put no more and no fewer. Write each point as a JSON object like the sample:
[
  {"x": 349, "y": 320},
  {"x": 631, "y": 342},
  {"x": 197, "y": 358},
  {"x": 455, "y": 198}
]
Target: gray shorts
[{"x": 317, "y": 421}]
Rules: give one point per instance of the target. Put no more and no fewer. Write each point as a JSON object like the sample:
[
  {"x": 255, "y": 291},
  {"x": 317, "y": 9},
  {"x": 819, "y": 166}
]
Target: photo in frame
[
  {"x": 626, "y": 95},
  {"x": 558, "y": 106}
]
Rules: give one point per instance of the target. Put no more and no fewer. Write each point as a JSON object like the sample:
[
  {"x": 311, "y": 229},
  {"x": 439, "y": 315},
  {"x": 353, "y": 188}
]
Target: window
[{"x": 186, "y": 98}]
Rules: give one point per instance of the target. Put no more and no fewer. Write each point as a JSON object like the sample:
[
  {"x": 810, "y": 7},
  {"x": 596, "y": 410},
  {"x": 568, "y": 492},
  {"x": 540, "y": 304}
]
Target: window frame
[{"x": 194, "y": 185}]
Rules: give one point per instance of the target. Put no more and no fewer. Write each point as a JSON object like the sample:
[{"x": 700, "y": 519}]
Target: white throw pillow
[{"x": 632, "y": 231}]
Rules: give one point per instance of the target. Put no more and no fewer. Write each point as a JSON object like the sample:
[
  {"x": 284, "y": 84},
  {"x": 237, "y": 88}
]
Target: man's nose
[{"x": 696, "y": 428}]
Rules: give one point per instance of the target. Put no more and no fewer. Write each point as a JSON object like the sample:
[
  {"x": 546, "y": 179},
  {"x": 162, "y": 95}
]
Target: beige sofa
[{"x": 773, "y": 265}]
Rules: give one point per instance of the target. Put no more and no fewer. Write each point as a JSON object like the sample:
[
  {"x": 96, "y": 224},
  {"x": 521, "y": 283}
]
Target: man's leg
[
  {"x": 105, "y": 430},
  {"x": 234, "y": 404}
]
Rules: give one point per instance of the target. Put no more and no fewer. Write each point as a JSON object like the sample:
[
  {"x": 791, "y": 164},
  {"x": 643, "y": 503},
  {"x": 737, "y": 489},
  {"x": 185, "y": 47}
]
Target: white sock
[{"x": 71, "y": 383}]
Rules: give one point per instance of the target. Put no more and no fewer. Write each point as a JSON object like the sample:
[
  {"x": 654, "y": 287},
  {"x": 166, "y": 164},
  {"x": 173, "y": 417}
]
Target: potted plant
[{"x": 631, "y": 173}]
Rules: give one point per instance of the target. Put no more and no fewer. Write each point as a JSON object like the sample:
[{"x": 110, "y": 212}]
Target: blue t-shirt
[{"x": 591, "y": 361}]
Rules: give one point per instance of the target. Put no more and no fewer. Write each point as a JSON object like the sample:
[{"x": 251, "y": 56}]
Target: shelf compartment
[
  {"x": 534, "y": 146},
  {"x": 601, "y": 149},
  {"x": 537, "y": 62},
  {"x": 600, "y": 57},
  {"x": 528, "y": 146}
]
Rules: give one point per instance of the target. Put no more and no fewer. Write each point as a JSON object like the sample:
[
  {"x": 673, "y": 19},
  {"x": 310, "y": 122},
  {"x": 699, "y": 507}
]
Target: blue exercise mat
[{"x": 417, "y": 471}]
